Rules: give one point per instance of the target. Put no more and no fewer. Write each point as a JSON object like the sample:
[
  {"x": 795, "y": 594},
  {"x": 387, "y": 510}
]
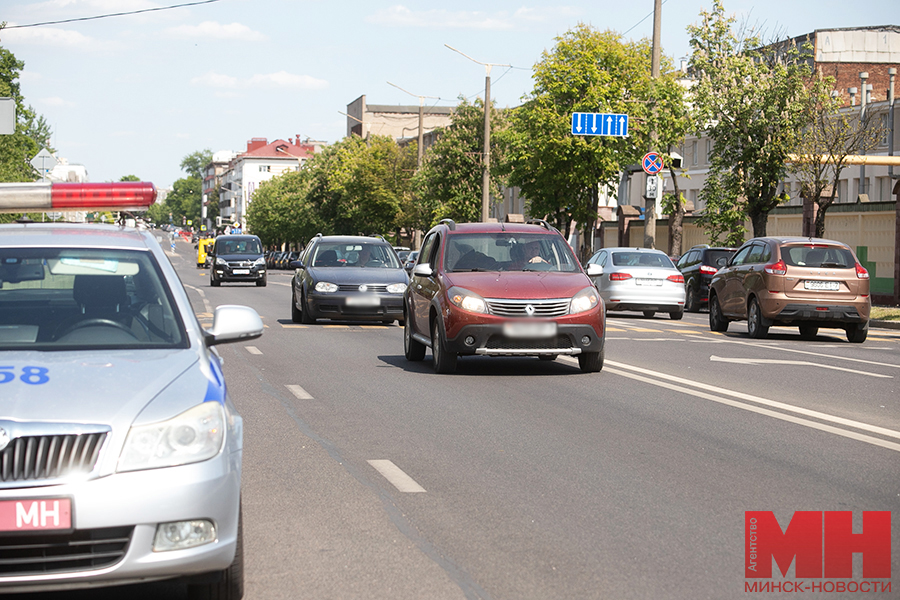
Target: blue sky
[{"x": 136, "y": 94}]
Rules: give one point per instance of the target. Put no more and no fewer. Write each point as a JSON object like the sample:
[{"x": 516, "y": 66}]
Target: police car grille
[
  {"x": 370, "y": 287},
  {"x": 519, "y": 308},
  {"x": 37, "y": 458},
  {"x": 80, "y": 550}
]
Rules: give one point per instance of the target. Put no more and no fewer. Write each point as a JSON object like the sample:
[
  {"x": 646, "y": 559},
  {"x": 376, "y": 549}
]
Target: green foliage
[
  {"x": 450, "y": 182},
  {"x": 752, "y": 100},
  {"x": 193, "y": 163},
  {"x": 129, "y": 178}
]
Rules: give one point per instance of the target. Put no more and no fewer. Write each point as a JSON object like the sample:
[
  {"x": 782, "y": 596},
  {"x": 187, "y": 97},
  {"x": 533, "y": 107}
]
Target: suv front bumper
[{"x": 488, "y": 339}]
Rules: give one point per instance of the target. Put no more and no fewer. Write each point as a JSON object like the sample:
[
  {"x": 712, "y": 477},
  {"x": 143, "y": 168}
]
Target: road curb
[{"x": 885, "y": 324}]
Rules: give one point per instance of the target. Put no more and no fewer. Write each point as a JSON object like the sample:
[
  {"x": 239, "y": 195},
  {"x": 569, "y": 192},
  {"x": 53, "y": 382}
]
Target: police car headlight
[
  {"x": 195, "y": 435},
  {"x": 584, "y": 300}
]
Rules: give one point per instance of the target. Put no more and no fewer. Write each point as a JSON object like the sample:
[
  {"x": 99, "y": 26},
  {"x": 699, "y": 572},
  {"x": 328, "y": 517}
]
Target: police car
[{"x": 120, "y": 451}]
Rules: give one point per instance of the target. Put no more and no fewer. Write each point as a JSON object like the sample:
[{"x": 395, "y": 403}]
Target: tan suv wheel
[
  {"x": 755, "y": 325},
  {"x": 856, "y": 333}
]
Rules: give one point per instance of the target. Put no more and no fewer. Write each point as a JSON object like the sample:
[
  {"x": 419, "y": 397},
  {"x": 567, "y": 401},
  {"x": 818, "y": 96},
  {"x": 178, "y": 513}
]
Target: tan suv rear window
[{"x": 832, "y": 257}]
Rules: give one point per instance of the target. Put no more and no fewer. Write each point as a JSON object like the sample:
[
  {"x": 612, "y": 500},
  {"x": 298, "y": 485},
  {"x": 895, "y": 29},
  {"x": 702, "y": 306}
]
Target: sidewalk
[{"x": 885, "y": 324}]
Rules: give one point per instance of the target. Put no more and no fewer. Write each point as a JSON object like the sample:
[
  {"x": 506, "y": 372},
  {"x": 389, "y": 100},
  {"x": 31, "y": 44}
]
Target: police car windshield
[{"x": 64, "y": 299}]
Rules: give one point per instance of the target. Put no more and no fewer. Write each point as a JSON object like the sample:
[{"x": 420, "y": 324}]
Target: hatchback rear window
[{"x": 830, "y": 257}]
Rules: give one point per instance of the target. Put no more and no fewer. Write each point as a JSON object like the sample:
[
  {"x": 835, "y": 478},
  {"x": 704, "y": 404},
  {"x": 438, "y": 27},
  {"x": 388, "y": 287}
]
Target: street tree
[
  {"x": 752, "y": 102},
  {"x": 561, "y": 174},
  {"x": 449, "y": 183},
  {"x": 822, "y": 150},
  {"x": 281, "y": 212}
]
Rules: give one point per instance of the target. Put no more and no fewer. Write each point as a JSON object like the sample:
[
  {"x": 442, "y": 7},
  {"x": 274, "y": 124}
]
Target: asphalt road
[{"x": 366, "y": 476}]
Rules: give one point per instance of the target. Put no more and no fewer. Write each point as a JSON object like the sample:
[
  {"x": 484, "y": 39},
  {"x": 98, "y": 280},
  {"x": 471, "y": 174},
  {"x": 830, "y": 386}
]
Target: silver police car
[{"x": 120, "y": 451}]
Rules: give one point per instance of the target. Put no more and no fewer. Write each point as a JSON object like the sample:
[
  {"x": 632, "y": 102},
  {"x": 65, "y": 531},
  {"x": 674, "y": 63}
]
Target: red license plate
[{"x": 41, "y": 514}]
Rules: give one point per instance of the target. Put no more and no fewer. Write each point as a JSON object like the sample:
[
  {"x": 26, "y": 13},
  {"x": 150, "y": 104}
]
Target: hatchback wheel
[
  {"x": 296, "y": 315},
  {"x": 809, "y": 332},
  {"x": 856, "y": 333},
  {"x": 305, "y": 316},
  {"x": 676, "y": 315},
  {"x": 444, "y": 361},
  {"x": 717, "y": 322},
  {"x": 413, "y": 350},
  {"x": 755, "y": 326}
]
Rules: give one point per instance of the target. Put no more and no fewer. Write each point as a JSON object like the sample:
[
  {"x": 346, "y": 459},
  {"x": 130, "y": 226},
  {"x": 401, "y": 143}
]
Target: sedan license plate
[
  {"x": 241, "y": 271},
  {"x": 41, "y": 514},
  {"x": 831, "y": 286},
  {"x": 645, "y": 281},
  {"x": 519, "y": 329},
  {"x": 366, "y": 300}
]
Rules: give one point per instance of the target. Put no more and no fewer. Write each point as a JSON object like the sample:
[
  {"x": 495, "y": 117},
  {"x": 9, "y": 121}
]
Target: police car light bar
[{"x": 43, "y": 197}]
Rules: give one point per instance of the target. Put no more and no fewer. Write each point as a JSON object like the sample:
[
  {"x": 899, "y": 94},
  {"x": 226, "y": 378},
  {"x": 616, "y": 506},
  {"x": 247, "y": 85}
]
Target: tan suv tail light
[
  {"x": 861, "y": 272},
  {"x": 778, "y": 268}
]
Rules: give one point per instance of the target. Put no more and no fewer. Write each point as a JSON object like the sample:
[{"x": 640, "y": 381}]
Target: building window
[
  {"x": 264, "y": 168},
  {"x": 885, "y": 131},
  {"x": 708, "y": 150},
  {"x": 694, "y": 156}
]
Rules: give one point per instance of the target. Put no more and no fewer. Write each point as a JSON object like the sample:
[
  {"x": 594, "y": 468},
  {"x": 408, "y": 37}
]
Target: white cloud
[
  {"x": 218, "y": 31},
  {"x": 55, "y": 101},
  {"x": 48, "y": 36},
  {"x": 401, "y": 16},
  {"x": 183, "y": 136},
  {"x": 281, "y": 79}
]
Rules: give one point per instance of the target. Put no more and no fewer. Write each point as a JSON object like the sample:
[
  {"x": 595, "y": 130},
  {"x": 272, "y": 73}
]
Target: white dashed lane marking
[
  {"x": 253, "y": 350},
  {"x": 396, "y": 476},
  {"x": 299, "y": 392}
]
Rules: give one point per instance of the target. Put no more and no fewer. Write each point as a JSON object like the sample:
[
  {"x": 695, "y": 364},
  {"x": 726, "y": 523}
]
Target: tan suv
[{"x": 807, "y": 282}]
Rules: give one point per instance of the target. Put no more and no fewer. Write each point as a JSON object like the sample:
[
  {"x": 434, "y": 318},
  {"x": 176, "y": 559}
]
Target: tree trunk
[
  {"x": 676, "y": 219},
  {"x": 758, "y": 220},
  {"x": 587, "y": 245}
]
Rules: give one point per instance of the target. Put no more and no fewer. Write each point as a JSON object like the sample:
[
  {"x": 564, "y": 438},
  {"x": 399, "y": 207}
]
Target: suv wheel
[
  {"x": 213, "y": 282},
  {"x": 808, "y": 332},
  {"x": 413, "y": 350},
  {"x": 856, "y": 333},
  {"x": 717, "y": 322},
  {"x": 755, "y": 326},
  {"x": 261, "y": 282},
  {"x": 691, "y": 303},
  {"x": 590, "y": 362},
  {"x": 444, "y": 361}
]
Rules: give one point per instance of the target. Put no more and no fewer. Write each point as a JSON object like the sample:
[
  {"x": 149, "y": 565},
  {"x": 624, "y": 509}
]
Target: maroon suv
[{"x": 501, "y": 289}]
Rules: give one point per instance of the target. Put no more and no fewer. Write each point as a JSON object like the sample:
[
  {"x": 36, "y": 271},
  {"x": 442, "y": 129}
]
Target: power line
[
  {"x": 641, "y": 21},
  {"x": 121, "y": 14}
]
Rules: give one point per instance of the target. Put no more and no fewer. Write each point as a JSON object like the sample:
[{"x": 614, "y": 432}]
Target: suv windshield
[
  {"x": 370, "y": 256},
  {"x": 239, "y": 246},
  {"x": 66, "y": 299},
  {"x": 508, "y": 252}
]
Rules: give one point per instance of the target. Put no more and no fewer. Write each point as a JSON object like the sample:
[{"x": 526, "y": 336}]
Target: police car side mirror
[{"x": 232, "y": 323}]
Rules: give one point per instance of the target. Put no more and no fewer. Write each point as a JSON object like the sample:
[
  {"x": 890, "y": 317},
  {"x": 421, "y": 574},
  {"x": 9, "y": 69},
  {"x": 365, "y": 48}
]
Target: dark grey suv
[{"x": 698, "y": 265}]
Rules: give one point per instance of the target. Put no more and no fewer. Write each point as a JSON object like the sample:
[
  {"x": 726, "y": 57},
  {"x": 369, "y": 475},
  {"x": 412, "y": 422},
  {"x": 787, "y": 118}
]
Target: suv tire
[
  {"x": 412, "y": 349},
  {"x": 717, "y": 322},
  {"x": 444, "y": 361},
  {"x": 261, "y": 282},
  {"x": 857, "y": 333},
  {"x": 808, "y": 331},
  {"x": 756, "y": 326},
  {"x": 590, "y": 362},
  {"x": 691, "y": 302}
]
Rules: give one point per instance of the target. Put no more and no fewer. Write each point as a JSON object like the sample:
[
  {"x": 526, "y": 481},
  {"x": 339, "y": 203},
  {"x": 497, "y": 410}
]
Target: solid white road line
[
  {"x": 805, "y": 363},
  {"x": 253, "y": 350},
  {"x": 299, "y": 392},
  {"x": 396, "y": 476}
]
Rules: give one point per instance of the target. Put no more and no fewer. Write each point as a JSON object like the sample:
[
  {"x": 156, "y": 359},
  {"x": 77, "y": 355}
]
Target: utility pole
[
  {"x": 650, "y": 203},
  {"x": 421, "y": 120},
  {"x": 863, "y": 77},
  {"x": 486, "y": 173}
]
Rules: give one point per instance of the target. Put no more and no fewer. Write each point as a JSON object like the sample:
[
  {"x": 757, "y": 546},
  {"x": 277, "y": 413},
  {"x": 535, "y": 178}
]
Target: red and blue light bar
[{"x": 43, "y": 197}]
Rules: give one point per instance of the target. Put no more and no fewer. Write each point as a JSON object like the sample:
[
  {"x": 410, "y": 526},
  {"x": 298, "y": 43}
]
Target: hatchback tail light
[
  {"x": 861, "y": 272},
  {"x": 778, "y": 268},
  {"x": 708, "y": 270},
  {"x": 619, "y": 276},
  {"x": 676, "y": 278}
]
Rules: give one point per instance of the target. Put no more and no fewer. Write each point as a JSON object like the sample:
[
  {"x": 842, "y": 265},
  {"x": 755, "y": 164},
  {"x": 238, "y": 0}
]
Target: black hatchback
[{"x": 698, "y": 265}]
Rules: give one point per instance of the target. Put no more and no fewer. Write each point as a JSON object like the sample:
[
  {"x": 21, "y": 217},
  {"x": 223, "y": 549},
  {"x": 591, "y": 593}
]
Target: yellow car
[{"x": 202, "y": 260}]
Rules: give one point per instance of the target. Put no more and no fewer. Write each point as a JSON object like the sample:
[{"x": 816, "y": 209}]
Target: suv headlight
[
  {"x": 584, "y": 300},
  {"x": 259, "y": 262},
  {"x": 396, "y": 288},
  {"x": 324, "y": 286},
  {"x": 221, "y": 261},
  {"x": 467, "y": 300},
  {"x": 193, "y": 436}
]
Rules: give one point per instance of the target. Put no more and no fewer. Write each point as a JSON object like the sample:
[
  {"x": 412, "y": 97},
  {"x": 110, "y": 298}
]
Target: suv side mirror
[{"x": 423, "y": 270}]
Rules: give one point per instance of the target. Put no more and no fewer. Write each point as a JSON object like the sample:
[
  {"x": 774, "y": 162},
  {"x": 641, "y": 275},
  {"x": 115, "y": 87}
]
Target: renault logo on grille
[
  {"x": 363, "y": 288},
  {"x": 4, "y": 439},
  {"x": 529, "y": 310}
]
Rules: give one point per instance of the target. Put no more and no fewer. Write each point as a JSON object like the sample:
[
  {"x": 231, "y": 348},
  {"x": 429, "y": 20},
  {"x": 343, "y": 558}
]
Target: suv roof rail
[
  {"x": 543, "y": 224},
  {"x": 451, "y": 224}
]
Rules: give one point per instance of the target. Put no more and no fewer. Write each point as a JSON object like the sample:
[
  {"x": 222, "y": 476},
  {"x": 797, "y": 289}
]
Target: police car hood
[{"x": 109, "y": 387}]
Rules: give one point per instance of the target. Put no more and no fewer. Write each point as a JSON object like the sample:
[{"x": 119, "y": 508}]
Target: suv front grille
[
  {"x": 39, "y": 458},
  {"x": 519, "y": 308},
  {"x": 61, "y": 553},
  {"x": 500, "y": 342}
]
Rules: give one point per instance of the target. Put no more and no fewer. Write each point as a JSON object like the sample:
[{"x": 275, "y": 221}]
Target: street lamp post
[
  {"x": 421, "y": 121},
  {"x": 486, "y": 174}
]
